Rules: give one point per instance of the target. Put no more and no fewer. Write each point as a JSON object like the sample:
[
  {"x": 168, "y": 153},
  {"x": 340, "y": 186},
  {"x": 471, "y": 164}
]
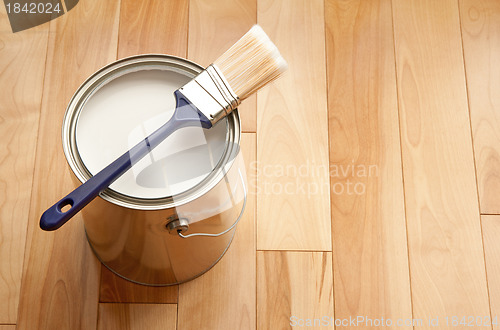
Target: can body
[{"x": 129, "y": 234}]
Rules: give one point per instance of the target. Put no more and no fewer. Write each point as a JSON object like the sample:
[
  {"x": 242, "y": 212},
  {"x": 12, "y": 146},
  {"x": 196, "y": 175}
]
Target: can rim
[{"x": 113, "y": 71}]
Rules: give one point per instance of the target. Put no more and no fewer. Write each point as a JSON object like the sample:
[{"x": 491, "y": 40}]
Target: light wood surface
[
  {"x": 491, "y": 232},
  {"x": 368, "y": 219},
  {"x": 444, "y": 235},
  {"x": 213, "y": 27},
  {"x": 137, "y": 316},
  {"x": 153, "y": 26},
  {"x": 481, "y": 42},
  {"x": 229, "y": 288},
  {"x": 412, "y": 88},
  {"x": 60, "y": 284},
  {"x": 116, "y": 289},
  {"x": 292, "y": 133},
  {"x": 294, "y": 286},
  {"x": 22, "y": 63}
]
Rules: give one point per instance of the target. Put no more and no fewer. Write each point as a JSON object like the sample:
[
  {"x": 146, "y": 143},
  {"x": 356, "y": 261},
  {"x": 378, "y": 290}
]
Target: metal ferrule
[{"x": 211, "y": 94}]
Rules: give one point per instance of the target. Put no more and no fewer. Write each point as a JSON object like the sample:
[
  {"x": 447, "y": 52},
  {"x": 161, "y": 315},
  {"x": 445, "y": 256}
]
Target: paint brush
[{"x": 252, "y": 62}]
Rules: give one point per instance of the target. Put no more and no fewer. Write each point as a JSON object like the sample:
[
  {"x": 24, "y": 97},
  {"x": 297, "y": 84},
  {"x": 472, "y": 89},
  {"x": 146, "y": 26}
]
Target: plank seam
[
  {"x": 118, "y": 33},
  {"x": 329, "y": 152},
  {"x": 401, "y": 157},
  {"x": 256, "y": 199},
  {"x": 473, "y": 152},
  {"x": 33, "y": 173},
  {"x": 135, "y": 303},
  {"x": 293, "y": 250},
  {"x": 186, "y": 52}
]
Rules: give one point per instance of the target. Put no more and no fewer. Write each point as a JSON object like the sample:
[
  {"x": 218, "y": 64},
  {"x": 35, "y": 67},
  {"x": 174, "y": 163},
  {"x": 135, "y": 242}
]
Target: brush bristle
[{"x": 252, "y": 62}]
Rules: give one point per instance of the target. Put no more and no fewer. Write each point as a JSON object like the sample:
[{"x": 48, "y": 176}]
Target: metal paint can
[{"x": 172, "y": 217}]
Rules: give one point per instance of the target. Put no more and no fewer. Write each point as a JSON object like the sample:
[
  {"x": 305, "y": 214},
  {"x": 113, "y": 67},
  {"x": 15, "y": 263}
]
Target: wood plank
[
  {"x": 230, "y": 286},
  {"x": 444, "y": 236},
  {"x": 116, "y": 289},
  {"x": 491, "y": 232},
  {"x": 481, "y": 44},
  {"x": 293, "y": 287},
  {"x": 368, "y": 219},
  {"x": 22, "y": 65},
  {"x": 147, "y": 27},
  {"x": 60, "y": 284},
  {"x": 137, "y": 316},
  {"x": 214, "y": 26},
  {"x": 153, "y": 26},
  {"x": 292, "y": 133},
  {"x": 7, "y": 327}
]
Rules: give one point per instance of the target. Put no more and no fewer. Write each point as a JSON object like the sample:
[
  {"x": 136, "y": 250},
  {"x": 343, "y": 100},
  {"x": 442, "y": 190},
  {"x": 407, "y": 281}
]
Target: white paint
[{"x": 125, "y": 111}]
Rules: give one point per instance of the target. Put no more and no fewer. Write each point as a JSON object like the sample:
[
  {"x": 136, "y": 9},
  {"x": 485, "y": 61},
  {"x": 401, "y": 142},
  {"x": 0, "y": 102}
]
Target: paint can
[{"x": 173, "y": 215}]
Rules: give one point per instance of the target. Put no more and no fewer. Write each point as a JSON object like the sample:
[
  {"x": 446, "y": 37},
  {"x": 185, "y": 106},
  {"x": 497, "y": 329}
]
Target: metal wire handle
[{"x": 233, "y": 225}]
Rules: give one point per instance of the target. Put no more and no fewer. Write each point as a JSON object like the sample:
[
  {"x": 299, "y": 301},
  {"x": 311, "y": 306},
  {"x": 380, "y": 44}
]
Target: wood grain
[
  {"x": 369, "y": 231},
  {"x": 248, "y": 289},
  {"x": 22, "y": 65},
  {"x": 292, "y": 141},
  {"x": 153, "y": 26},
  {"x": 116, "y": 289},
  {"x": 444, "y": 235},
  {"x": 214, "y": 26},
  {"x": 231, "y": 285},
  {"x": 7, "y": 326},
  {"x": 491, "y": 232},
  {"x": 481, "y": 44},
  {"x": 137, "y": 317},
  {"x": 293, "y": 286},
  {"x": 60, "y": 284}
]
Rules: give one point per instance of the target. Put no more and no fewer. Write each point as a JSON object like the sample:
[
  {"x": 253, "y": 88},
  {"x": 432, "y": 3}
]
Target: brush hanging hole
[{"x": 65, "y": 205}]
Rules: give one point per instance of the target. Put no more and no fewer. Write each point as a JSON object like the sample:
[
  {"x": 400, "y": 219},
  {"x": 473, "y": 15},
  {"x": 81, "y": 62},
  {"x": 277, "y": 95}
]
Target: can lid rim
[{"x": 113, "y": 71}]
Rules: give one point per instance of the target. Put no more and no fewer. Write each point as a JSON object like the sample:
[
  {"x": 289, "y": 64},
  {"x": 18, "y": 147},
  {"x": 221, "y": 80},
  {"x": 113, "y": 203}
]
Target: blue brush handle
[{"x": 185, "y": 115}]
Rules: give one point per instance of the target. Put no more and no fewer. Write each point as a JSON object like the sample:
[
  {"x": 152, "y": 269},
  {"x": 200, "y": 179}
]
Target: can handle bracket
[
  {"x": 180, "y": 233},
  {"x": 177, "y": 224}
]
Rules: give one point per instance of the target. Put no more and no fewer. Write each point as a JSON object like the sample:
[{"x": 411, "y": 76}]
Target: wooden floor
[{"x": 373, "y": 167}]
